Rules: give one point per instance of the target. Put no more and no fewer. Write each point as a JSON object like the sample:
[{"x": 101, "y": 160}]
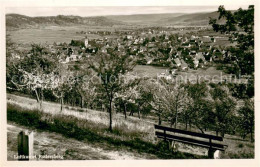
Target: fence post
[{"x": 25, "y": 145}]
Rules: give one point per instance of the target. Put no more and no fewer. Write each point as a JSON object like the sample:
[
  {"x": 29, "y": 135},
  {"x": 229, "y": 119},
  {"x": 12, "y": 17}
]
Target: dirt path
[{"x": 46, "y": 143}]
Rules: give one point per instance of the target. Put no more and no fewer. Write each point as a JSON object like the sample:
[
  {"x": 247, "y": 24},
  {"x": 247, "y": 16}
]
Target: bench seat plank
[
  {"x": 195, "y": 144},
  {"x": 190, "y": 141}
]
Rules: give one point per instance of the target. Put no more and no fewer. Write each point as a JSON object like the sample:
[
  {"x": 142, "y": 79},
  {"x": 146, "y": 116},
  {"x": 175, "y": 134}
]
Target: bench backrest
[{"x": 207, "y": 136}]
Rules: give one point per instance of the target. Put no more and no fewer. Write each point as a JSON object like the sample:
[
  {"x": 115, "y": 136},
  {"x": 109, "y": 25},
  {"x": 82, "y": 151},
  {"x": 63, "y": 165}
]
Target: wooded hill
[{"x": 178, "y": 19}]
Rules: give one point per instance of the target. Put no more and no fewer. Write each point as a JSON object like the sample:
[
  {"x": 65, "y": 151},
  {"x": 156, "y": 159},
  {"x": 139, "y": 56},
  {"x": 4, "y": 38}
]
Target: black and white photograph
[{"x": 129, "y": 82}]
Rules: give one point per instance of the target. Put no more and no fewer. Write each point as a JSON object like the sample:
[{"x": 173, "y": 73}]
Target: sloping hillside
[
  {"x": 196, "y": 19},
  {"x": 21, "y": 21},
  {"x": 143, "y": 18},
  {"x": 190, "y": 19},
  {"x": 179, "y": 19}
]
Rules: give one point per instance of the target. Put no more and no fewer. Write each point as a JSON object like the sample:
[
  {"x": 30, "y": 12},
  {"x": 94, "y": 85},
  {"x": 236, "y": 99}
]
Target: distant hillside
[
  {"x": 21, "y": 21},
  {"x": 143, "y": 18},
  {"x": 190, "y": 19},
  {"x": 196, "y": 19},
  {"x": 178, "y": 19}
]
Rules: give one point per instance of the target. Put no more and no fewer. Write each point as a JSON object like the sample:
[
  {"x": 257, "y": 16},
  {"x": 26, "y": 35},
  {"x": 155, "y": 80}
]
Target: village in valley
[
  {"x": 156, "y": 46},
  {"x": 151, "y": 47}
]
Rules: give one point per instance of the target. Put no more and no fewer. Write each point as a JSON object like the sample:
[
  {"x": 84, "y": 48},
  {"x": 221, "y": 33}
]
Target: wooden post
[
  {"x": 211, "y": 150},
  {"x": 25, "y": 145},
  {"x": 211, "y": 153},
  {"x": 164, "y": 132}
]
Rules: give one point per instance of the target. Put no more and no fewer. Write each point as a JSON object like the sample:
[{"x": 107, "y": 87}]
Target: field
[
  {"x": 151, "y": 71},
  {"x": 51, "y": 34},
  {"x": 208, "y": 73}
]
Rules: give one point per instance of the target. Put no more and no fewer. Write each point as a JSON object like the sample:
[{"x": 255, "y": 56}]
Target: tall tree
[
  {"x": 247, "y": 119},
  {"x": 37, "y": 67},
  {"x": 61, "y": 81},
  {"x": 175, "y": 101},
  {"x": 84, "y": 86},
  {"x": 109, "y": 68},
  {"x": 240, "y": 28},
  {"x": 199, "y": 107},
  {"x": 129, "y": 91},
  {"x": 224, "y": 107},
  {"x": 158, "y": 100}
]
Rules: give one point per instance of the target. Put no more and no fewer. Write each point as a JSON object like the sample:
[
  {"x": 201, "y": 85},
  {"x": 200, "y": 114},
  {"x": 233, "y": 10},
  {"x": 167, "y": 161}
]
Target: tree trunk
[
  {"x": 251, "y": 136},
  {"x": 37, "y": 96},
  {"x": 42, "y": 96},
  {"x": 102, "y": 107},
  {"x": 38, "y": 99},
  {"x": 82, "y": 102},
  {"x": 138, "y": 109},
  {"x": 131, "y": 113},
  {"x": 61, "y": 104},
  {"x": 159, "y": 121},
  {"x": 222, "y": 134},
  {"x": 125, "y": 110},
  {"x": 176, "y": 116},
  {"x": 110, "y": 116},
  {"x": 200, "y": 129},
  {"x": 172, "y": 122},
  {"x": 176, "y": 121}
]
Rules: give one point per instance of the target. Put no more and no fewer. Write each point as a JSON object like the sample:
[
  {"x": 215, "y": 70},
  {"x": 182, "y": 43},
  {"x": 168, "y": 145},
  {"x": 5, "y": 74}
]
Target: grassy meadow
[
  {"x": 97, "y": 135},
  {"x": 90, "y": 126},
  {"x": 51, "y": 34}
]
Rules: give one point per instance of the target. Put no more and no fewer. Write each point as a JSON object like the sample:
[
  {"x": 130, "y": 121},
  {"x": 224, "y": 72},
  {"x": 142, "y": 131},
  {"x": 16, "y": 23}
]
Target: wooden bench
[{"x": 192, "y": 138}]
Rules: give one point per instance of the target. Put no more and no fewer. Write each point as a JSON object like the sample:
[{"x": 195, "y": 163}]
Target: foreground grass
[
  {"x": 80, "y": 129},
  {"x": 130, "y": 129},
  {"x": 133, "y": 126}
]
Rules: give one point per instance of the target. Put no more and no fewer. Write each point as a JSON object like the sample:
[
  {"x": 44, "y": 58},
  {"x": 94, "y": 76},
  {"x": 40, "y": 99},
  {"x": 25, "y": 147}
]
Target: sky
[{"x": 113, "y": 10}]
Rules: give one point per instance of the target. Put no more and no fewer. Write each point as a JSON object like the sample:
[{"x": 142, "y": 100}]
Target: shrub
[{"x": 241, "y": 145}]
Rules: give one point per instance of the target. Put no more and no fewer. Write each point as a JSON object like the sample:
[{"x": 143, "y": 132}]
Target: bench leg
[
  {"x": 211, "y": 153},
  {"x": 217, "y": 154},
  {"x": 173, "y": 146}
]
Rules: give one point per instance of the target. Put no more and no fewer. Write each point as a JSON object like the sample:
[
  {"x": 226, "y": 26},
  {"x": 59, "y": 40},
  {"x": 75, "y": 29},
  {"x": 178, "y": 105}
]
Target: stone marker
[{"x": 25, "y": 145}]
